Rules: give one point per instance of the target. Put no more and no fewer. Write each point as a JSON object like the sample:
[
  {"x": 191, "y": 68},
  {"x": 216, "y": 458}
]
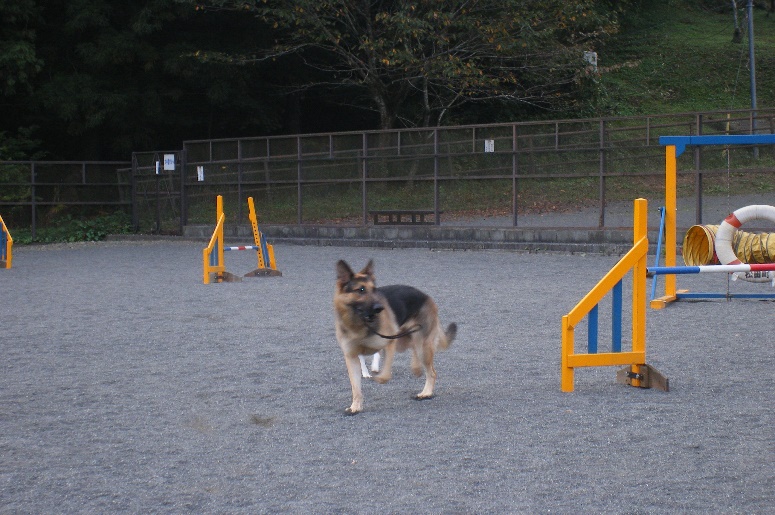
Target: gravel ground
[{"x": 129, "y": 386}]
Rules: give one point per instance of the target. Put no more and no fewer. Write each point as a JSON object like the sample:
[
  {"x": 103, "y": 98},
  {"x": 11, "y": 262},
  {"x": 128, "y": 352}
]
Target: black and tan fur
[{"x": 398, "y": 317}]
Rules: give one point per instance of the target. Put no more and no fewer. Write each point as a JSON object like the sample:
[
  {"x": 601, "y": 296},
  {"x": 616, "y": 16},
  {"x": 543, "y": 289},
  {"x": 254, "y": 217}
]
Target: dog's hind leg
[
  {"x": 416, "y": 365},
  {"x": 364, "y": 368},
  {"x": 374, "y": 364},
  {"x": 426, "y": 356},
  {"x": 354, "y": 372}
]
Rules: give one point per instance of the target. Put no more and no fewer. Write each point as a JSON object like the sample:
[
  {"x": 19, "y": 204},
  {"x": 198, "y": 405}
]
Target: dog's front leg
[
  {"x": 354, "y": 372},
  {"x": 387, "y": 369}
]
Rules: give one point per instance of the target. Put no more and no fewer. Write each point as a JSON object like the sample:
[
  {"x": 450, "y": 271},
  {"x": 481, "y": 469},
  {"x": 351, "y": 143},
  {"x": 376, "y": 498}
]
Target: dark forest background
[{"x": 98, "y": 79}]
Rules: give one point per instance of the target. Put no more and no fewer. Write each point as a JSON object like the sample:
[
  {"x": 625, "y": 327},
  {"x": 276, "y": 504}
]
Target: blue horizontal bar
[
  {"x": 678, "y": 270},
  {"x": 680, "y": 142}
]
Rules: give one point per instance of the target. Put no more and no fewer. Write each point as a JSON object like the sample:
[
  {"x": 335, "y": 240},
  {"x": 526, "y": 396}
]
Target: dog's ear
[
  {"x": 343, "y": 272},
  {"x": 368, "y": 270}
]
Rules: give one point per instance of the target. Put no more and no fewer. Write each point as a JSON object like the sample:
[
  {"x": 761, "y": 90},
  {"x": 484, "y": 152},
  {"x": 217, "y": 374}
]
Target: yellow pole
[
  {"x": 215, "y": 239},
  {"x": 256, "y": 233},
  {"x": 671, "y": 211},
  {"x": 219, "y": 212},
  {"x": 8, "y": 244},
  {"x": 640, "y": 231},
  {"x": 566, "y": 372}
]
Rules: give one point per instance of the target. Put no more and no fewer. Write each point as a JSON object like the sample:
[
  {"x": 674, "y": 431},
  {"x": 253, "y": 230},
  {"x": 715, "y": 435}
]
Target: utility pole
[{"x": 752, "y": 59}]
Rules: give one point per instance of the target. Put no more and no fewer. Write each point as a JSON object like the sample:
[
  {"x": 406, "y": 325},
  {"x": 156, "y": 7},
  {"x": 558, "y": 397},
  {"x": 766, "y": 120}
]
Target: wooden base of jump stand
[
  {"x": 264, "y": 272},
  {"x": 224, "y": 277},
  {"x": 643, "y": 376}
]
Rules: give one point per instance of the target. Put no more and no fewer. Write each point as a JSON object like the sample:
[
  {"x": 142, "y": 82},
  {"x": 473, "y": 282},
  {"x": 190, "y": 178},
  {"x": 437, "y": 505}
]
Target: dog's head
[{"x": 357, "y": 291}]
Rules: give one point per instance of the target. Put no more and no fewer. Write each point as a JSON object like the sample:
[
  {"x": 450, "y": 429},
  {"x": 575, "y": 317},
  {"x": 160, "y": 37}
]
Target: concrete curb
[{"x": 560, "y": 239}]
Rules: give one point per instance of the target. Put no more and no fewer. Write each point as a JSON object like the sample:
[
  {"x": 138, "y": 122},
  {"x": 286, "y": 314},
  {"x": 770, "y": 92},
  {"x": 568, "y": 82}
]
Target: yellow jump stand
[
  {"x": 637, "y": 373},
  {"x": 6, "y": 246},
  {"x": 264, "y": 250},
  {"x": 213, "y": 262}
]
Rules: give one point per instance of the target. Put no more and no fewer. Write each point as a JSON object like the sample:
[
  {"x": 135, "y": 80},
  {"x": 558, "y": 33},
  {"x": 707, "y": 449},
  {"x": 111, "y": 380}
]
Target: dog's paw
[
  {"x": 421, "y": 397},
  {"x": 349, "y": 412},
  {"x": 381, "y": 379},
  {"x": 365, "y": 374}
]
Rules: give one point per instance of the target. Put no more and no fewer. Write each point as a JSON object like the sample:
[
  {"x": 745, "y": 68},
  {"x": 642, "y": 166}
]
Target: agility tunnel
[
  {"x": 726, "y": 244},
  {"x": 6, "y": 246},
  {"x": 213, "y": 262}
]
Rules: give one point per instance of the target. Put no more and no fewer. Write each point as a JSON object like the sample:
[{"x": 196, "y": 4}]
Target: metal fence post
[
  {"x": 32, "y": 192},
  {"x": 239, "y": 181},
  {"x": 364, "y": 175},
  {"x": 601, "y": 220},
  {"x": 158, "y": 194},
  {"x": 183, "y": 199},
  {"x": 298, "y": 180},
  {"x": 514, "y": 171},
  {"x": 436, "y": 176},
  {"x": 133, "y": 194},
  {"x": 698, "y": 175}
]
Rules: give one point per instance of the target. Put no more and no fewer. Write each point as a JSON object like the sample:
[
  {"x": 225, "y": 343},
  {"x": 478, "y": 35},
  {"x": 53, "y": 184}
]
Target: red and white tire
[{"x": 726, "y": 233}]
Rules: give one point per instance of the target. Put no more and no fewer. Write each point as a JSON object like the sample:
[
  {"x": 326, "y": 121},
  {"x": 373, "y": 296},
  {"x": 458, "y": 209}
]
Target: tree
[
  {"x": 19, "y": 64},
  {"x": 98, "y": 79},
  {"x": 416, "y": 61},
  {"x": 19, "y": 61}
]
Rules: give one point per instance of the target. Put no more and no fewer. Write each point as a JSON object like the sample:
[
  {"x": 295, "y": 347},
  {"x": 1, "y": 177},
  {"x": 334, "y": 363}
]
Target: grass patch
[
  {"x": 678, "y": 57},
  {"x": 69, "y": 229}
]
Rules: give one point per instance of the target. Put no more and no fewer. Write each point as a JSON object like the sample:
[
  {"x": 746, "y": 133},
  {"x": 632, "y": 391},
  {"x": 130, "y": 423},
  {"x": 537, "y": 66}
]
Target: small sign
[
  {"x": 200, "y": 173},
  {"x": 158, "y": 168},
  {"x": 169, "y": 162},
  {"x": 489, "y": 145},
  {"x": 591, "y": 58}
]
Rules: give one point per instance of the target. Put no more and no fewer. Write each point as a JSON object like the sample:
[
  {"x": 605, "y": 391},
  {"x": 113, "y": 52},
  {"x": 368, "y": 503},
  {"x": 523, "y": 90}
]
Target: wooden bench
[{"x": 403, "y": 216}]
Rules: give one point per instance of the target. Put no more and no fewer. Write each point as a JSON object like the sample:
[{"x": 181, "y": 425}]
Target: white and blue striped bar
[{"x": 728, "y": 269}]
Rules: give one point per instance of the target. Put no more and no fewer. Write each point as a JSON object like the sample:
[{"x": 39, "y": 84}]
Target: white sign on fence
[
  {"x": 169, "y": 162},
  {"x": 200, "y": 173},
  {"x": 489, "y": 145}
]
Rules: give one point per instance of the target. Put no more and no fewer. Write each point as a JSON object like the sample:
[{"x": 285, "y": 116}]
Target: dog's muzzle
[{"x": 368, "y": 312}]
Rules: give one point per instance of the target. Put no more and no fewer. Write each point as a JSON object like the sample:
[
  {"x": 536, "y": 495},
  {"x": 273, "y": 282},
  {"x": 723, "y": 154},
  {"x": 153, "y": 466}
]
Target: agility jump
[
  {"x": 699, "y": 242},
  {"x": 213, "y": 261},
  {"x": 6, "y": 246},
  {"x": 637, "y": 373}
]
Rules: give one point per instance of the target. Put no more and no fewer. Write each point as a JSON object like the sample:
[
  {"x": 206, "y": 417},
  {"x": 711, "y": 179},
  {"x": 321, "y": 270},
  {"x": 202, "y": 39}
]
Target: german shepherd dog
[{"x": 398, "y": 317}]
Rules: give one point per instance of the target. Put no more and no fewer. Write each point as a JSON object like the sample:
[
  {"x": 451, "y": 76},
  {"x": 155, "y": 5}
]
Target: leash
[{"x": 409, "y": 331}]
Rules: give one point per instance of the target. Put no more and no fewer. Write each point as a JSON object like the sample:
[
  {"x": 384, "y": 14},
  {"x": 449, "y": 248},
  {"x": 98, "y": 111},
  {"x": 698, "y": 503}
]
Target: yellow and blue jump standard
[
  {"x": 6, "y": 246},
  {"x": 264, "y": 251},
  {"x": 637, "y": 373},
  {"x": 674, "y": 147},
  {"x": 213, "y": 261}
]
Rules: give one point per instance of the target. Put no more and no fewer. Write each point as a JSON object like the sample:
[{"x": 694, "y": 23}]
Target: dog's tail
[{"x": 449, "y": 336}]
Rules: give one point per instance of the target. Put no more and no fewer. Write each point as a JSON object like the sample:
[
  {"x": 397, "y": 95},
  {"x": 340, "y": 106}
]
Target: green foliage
[
  {"x": 677, "y": 57},
  {"x": 19, "y": 147},
  {"x": 69, "y": 229},
  {"x": 19, "y": 62}
]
